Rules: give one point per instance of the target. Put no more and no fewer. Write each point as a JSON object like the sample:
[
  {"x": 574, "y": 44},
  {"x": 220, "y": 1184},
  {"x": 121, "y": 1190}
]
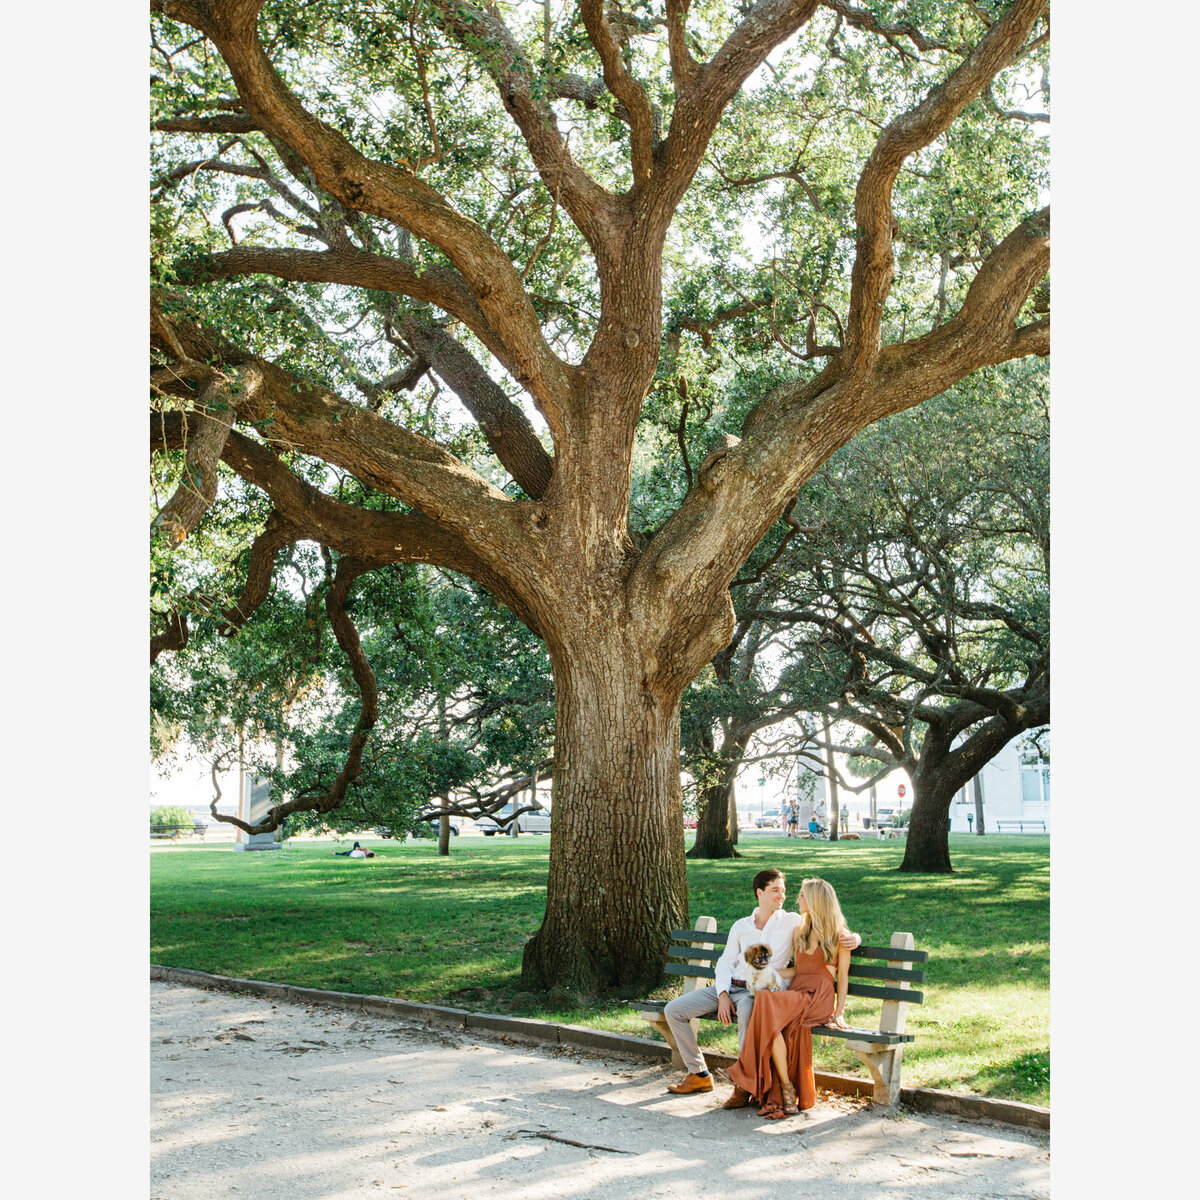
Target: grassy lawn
[{"x": 450, "y": 931}]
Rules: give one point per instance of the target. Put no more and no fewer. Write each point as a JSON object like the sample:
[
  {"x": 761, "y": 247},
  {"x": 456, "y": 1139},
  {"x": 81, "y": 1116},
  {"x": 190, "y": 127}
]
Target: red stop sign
[{"x": 900, "y": 790}]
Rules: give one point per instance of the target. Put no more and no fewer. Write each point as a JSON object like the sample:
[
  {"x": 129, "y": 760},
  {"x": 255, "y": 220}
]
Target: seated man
[{"x": 769, "y": 923}]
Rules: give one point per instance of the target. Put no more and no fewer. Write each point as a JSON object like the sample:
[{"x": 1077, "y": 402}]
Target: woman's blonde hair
[{"x": 823, "y": 921}]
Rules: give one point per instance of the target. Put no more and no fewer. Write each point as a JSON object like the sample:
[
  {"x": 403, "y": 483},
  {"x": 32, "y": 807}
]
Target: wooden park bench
[
  {"x": 880, "y": 1050},
  {"x": 1034, "y": 826},
  {"x": 172, "y": 831}
]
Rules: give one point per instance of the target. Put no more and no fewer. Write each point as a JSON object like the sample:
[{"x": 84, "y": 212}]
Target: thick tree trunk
[
  {"x": 927, "y": 848},
  {"x": 942, "y": 770},
  {"x": 712, "y": 827},
  {"x": 713, "y": 837},
  {"x": 617, "y": 884}
]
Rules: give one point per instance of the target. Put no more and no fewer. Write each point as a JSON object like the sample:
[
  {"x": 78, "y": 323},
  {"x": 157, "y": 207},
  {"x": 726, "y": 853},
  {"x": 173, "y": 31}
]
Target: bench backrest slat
[
  {"x": 907, "y": 995},
  {"x": 906, "y": 974},
  {"x": 687, "y": 969},
  {"x": 891, "y": 953},
  {"x": 863, "y": 990},
  {"x": 699, "y": 935},
  {"x": 693, "y": 952},
  {"x": 888, "y": 953},
  {"x": 859, "y": 970}
]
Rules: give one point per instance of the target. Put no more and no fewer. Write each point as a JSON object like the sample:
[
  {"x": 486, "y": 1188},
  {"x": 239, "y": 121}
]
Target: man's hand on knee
[{"x": 724, "y": 1008}]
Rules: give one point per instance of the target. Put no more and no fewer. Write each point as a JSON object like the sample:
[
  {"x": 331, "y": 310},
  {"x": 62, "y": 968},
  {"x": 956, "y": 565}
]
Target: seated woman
[{"x": 776, "y": 1056}]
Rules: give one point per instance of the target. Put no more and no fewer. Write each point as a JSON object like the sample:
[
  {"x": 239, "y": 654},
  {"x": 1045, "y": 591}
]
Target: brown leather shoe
[
  {"x": 739, "y": 1099},
  {"x": 691, "y": 1083}
]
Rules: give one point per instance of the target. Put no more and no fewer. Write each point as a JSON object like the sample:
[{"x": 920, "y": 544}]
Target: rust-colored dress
[{"x": 810, "y": 1000}]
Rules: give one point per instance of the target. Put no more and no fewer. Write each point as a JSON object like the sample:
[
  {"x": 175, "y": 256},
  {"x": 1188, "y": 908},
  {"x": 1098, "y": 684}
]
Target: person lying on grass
[{"x": 355, "y": 851}]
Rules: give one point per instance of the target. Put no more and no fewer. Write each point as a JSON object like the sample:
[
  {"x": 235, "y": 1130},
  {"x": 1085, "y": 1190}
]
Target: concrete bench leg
[
  {"x": 659, "y": 1022},
  {"x": 884, "y": 1064}
]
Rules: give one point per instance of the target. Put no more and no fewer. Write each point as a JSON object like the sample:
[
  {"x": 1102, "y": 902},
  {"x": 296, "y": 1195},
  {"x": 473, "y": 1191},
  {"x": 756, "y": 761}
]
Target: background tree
[
  {"x": 519, "y": 197},
  {"x": 921, "y": 607},
  {"x": 746, "y": 707},
  {"x": 742, "y": 709},
  {"x": 462, "y": 691}
]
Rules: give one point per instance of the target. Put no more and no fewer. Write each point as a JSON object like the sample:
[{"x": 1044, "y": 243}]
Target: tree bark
[
  {"x": 617, "y": 885},
  {"x": 977, "y": 786},
  {"x": 927, "y": 845}
]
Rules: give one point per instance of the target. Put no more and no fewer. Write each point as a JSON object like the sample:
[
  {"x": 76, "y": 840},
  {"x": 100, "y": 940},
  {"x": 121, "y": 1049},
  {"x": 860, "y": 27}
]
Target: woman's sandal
[{"x": 791, "y": 1105}]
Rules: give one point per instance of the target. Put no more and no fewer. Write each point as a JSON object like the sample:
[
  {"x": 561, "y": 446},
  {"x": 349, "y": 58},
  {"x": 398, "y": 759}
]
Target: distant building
[{"x": 1016, "y": 787}]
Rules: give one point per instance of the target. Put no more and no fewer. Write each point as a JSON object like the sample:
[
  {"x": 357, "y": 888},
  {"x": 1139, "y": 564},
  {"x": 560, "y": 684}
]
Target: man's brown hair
[{"x": 765, "y": 878}]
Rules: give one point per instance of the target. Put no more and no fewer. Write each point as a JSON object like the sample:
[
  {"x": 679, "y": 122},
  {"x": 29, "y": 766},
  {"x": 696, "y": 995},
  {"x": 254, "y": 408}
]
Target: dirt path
[{"x": 254, "y": 1099}]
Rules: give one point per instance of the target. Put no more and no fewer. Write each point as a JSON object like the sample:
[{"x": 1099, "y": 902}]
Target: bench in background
[
  {"x": 175, "y": 831},
  {"x": 1020, "y": 826}
]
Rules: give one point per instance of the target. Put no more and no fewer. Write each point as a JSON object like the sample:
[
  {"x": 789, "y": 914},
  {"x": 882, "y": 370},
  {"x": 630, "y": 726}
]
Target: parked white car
[{"x": 527, "y": 822}]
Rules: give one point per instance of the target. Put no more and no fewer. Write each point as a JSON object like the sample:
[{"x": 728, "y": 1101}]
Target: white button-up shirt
[{"x": 743, "y": 933}]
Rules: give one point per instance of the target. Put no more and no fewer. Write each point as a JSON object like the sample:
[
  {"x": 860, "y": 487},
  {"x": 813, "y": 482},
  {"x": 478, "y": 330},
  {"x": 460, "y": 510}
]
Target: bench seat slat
[{"x": 864, "y": 1035}]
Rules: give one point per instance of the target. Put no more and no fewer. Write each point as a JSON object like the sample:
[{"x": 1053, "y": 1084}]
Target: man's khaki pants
[{"x": 703, "y": 1001}]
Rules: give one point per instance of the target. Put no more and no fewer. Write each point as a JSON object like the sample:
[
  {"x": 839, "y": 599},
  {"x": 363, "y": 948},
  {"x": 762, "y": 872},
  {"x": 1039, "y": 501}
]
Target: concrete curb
[{"x": 960, "y": 1104}]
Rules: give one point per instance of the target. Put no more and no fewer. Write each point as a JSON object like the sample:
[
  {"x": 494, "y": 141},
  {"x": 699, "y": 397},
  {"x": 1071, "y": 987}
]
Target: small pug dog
[{"x": 760, "y": 975}]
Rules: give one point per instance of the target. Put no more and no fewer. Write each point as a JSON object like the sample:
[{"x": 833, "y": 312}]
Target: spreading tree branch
[
  {"x": 626, "y": 89},
  {"x": 388, "y": 191},
  {"x": 348, "y": 570},
  {"x": 871, "y": 276}
]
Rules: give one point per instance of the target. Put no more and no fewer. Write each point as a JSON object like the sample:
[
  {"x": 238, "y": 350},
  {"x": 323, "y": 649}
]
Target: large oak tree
[{"x": 510, "y": 199}]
